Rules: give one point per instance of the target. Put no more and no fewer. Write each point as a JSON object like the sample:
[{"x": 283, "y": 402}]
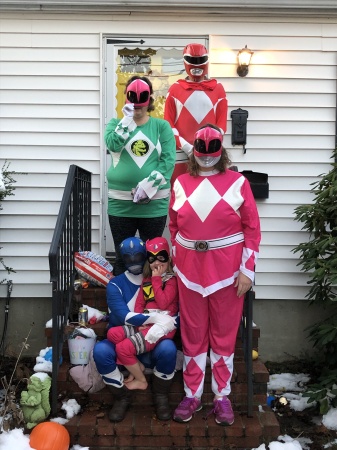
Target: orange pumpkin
[{"x": 49, "y": 436}]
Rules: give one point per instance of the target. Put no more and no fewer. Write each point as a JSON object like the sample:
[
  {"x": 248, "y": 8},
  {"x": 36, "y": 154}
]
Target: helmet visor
[
  {"x": 137, "y": 258},
  {"x": 196, "y": 60},
  {"x": 141, "y": 97},
  {"x": 208, "y": 141},
  {"x": 161, "y": 256},
  {"x": 138, "y": 93}
]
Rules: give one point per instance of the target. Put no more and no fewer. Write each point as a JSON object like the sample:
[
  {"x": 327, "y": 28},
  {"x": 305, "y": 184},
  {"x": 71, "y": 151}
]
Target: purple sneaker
[
  {"x": 186, "y": 408},
  {"x": 223, "y": 411}
]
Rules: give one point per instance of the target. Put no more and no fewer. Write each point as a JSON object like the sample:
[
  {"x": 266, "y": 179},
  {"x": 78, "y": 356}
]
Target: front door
[{"x": 160, "y": 59}]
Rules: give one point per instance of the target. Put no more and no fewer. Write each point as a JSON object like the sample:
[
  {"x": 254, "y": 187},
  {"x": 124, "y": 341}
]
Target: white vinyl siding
[
  {"x": 49, "y": 119},
  {"x": 51, "y": 116}
]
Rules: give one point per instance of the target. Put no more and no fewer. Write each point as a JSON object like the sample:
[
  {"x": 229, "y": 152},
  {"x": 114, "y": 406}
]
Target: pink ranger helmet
[
  {"x": 207, "y": 142},
  {"x": 138, "y": 93}
]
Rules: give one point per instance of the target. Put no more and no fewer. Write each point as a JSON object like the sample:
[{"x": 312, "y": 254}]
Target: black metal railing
[
  {"x": 72, "y": 233},
  {"x": 247, "y": 336}
]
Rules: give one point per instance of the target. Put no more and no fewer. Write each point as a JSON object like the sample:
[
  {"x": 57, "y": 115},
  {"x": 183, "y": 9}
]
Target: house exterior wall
[{"x": 51, "y": 117}]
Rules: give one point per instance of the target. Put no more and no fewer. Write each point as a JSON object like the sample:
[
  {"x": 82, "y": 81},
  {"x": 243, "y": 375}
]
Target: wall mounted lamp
[{"x": 244, "y": 57}]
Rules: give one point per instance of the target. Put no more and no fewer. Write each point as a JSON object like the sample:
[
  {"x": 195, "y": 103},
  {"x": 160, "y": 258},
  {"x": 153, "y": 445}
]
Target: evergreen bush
[{"x": 318, "y": 258}]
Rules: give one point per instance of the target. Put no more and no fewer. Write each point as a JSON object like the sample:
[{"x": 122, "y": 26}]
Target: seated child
[{"x": 158, "y": 293}]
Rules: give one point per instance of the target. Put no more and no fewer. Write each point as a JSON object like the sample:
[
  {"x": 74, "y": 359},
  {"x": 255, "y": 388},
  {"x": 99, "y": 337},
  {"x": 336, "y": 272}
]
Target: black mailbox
[
  {"x": 258, "y": 182},
  {"x": 239, "y": 127}
]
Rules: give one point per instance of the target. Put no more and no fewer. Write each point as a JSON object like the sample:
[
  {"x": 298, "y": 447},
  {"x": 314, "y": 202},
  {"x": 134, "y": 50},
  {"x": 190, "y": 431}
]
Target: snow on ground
[{"x": 291, "y": 385}]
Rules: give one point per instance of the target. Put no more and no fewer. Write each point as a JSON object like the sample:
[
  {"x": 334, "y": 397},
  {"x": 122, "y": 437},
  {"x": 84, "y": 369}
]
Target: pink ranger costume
[
  {"x": 193, "y": 102},
  {"x": 215, "y": 232}
]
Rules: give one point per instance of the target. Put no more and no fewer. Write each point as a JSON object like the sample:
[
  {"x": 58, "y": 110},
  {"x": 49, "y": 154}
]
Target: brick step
[
  {"x": 101, "y": 328},
  {"x": 69, "y": 388},
  {"x": 141, "y": 430}
]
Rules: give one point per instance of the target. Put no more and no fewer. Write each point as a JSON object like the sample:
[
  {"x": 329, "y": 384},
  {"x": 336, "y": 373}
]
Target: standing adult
[
  {"x": 143, "y": 154},
  {"x": 121, "y": 294},
  {"x": 193, "y": 102},
  {"x": 215, "y": 232}
]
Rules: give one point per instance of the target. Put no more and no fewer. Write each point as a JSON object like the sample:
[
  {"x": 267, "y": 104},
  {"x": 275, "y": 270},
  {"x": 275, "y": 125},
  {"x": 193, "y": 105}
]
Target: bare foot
[
  {"x": 136, "y": 384},
  {"x": 129, "y": 378}
]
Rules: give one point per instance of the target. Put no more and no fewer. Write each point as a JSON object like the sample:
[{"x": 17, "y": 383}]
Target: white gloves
[
  {"x": 128, "y": 110},
  {"x": 139, "y": 195},
  {"x": 163, "y": 325},
  {"x": 127, "y": 124}
]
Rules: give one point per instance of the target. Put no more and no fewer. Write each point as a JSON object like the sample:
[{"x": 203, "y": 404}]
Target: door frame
[{"x": 110, "y": 46}]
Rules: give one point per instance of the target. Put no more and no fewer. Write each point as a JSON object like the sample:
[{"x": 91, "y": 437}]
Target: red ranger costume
[
  {"x": 193, "y": 102},
  {"x": 215, "y": 232}
]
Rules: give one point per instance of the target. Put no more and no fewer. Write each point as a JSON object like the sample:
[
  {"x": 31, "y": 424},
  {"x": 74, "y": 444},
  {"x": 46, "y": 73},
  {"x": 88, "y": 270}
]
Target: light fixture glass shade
[{"x": 244, "y": 57}]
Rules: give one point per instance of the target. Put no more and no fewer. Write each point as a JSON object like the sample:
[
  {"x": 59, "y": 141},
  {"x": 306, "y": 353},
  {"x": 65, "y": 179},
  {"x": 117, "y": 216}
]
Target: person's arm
[
  {"x": 160, "y": 177},
  {"x": 117, "y": 131},
  {"x": 170, "y": 114},
  {"x": 118, "y": 295},
  {"x": 173, "y": 225},
  {"x": 221, "y": 109},
  {"x": 165, "y": 294},
  {"x": 251, "y": 230}
]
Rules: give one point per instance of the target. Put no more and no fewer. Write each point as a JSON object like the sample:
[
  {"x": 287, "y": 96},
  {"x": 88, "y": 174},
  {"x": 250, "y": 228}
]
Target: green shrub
[{"x": 318, "y": 258}]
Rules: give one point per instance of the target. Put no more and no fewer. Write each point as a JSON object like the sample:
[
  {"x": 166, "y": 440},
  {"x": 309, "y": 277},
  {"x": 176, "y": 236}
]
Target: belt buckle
[{"x": 201, "y": 246}]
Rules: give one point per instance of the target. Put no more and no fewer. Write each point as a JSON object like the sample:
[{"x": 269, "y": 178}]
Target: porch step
[
  {"x": 68, "y": 388},
  {"x": 142, "y": 430}
]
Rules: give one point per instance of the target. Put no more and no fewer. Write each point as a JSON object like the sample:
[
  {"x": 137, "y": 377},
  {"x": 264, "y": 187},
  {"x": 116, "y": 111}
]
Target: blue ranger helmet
[{"x": 133, "y": 252}]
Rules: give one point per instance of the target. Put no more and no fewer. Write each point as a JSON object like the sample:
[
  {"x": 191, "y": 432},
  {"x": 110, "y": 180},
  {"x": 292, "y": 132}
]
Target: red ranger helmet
[
  {"x": 207, "y": 142},
  {"x": 157, "y": 248},
  {"x": 196, "y": 61},
  {"x": 138, "y": 93}
]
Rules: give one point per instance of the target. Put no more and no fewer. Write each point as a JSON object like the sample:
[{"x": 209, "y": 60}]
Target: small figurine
[{"x": 35, "y": 402}]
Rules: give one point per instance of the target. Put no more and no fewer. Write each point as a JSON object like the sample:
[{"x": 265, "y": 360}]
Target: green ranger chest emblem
[{"x": 139, "y": 147}]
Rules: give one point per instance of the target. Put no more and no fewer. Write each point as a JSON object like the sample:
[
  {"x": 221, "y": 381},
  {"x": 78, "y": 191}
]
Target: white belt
[
  {"x": 211, "y": 244},
  {"x": 126, "y": 195}
]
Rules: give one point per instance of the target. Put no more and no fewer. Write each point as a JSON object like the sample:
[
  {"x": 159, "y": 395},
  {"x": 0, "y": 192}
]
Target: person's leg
[
  {"x": 149, "y": 228},
  {"x": 163, "y": 358},
  {"x": 194, "y": 324},
  {"x": 105, "y": 358},
  {"x": 126, "y": 351},
  {"x": 194, "y": 336},
  {"x": 121, "y": 228},
  {"x": 225, "y": 317},
  {"x": 118, "y": 334}
]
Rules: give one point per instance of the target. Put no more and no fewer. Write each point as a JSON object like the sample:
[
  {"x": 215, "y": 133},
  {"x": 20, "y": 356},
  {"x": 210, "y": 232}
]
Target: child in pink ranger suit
[
  {"x": 158, "y": 293},
  {"x": 215, "y": 232}
]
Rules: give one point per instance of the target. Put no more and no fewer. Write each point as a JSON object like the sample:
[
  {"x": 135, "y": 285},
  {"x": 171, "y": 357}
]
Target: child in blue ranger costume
[
  {"x": 121, "y": 295},
  {"x": 143, "y": 155}
]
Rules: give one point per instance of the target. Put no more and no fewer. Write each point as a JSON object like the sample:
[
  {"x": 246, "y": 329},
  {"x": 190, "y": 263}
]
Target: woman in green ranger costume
[{"x": 143, "y": 155}]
